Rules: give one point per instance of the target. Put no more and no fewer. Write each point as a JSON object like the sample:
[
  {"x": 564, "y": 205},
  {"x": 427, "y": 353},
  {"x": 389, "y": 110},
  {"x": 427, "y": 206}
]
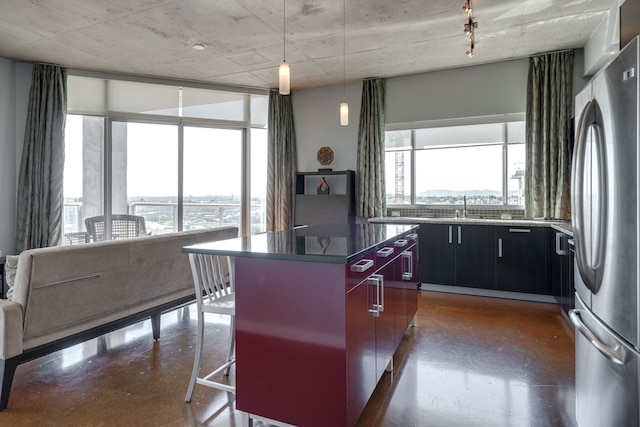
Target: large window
[
  {"x": 442, "y": 165},
  {"x": 182, "y": 158},
  {"x": 212, "y": 177}
]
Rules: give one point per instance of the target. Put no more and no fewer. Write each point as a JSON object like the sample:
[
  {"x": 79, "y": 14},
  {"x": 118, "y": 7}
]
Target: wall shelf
[{"x": 336, "y": 207}]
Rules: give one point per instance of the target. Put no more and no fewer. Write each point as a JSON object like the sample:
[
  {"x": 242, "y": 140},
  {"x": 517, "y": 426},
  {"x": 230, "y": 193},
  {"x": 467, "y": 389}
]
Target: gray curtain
[
  {"x": 371, "y": 195},
  {"x": 282, "y": 166},
  {"x": 40, "y": 205},
  {"x": 549, "y": 136}
]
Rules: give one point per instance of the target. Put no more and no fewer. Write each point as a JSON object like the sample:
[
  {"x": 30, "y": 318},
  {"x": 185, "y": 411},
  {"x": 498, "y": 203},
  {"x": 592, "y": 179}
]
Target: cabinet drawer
[{"x": 521, "y": 232}]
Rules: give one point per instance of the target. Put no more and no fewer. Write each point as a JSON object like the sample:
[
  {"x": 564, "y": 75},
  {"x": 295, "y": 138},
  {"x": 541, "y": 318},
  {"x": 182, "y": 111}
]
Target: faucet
[{"x": 464, "y": 212}]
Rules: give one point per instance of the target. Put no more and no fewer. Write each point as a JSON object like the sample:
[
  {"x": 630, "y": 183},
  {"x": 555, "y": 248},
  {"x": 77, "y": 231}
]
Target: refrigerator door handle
[
  {"x": 616, "y": 354},
  {"x": 598, "y": 234},
  {"x": 587, "y": 118}
]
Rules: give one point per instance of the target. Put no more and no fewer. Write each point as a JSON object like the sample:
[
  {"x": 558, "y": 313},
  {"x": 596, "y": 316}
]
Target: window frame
[
  {"x": 245, "y": 126},
  {"x": 504, "y": 120}
]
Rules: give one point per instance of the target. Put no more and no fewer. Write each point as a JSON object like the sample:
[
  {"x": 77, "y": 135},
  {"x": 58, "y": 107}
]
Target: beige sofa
[{"x": 68, "y": 294}]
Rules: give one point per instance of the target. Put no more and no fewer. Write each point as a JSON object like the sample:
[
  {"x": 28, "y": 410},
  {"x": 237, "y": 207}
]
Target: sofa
[{"x": 65, "y": 295}]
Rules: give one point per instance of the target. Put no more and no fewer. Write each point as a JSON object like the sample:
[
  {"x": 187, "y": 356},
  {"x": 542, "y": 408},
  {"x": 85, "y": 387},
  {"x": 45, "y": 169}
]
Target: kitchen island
[{"x": 320, "y": 311}]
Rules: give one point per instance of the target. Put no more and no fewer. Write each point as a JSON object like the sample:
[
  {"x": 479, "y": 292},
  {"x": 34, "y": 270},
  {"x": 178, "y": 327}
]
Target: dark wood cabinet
[
  {"x": 437, "y": 254},
  {"x": 561, "y": 251},
  {"x": 475, "y": 256},
  {"x": 336, "y": 204},
  {"x": 521, "y": 262},
  {"x": 457, "y": 254}
]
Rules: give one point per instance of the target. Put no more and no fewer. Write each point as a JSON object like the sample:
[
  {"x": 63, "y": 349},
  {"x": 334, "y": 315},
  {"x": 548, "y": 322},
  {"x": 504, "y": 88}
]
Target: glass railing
[{"x": 161, "y": 218}]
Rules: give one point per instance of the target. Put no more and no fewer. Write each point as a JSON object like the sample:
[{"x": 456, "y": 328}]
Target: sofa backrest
[{"x": 69, "y": 289}]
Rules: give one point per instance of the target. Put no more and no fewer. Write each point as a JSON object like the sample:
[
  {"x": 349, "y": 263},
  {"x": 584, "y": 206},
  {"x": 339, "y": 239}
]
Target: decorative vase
[{"x": 323, "y": 187}]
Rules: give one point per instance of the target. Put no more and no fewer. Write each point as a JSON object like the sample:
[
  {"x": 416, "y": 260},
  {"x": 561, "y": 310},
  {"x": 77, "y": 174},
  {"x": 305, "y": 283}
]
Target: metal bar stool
[{"x": 213, "y": 295}]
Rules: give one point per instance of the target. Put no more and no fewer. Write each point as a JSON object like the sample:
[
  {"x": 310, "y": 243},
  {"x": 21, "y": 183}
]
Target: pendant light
[
  {"x": 344, "y": 107},
  {"x": 284, "y": 72}
]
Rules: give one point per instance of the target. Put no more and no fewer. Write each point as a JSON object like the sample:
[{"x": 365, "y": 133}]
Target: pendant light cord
[
  {"x": 284, "y": 30},
  {"x": 344, "y": 48}
]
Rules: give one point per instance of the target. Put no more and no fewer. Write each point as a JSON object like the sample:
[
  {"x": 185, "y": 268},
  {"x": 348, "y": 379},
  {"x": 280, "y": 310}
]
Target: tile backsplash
[{"x": 449, "y": 212}]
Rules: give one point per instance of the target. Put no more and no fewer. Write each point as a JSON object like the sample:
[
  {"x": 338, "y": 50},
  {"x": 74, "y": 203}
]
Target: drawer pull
[
  {"x": 385, "y": 252},
  {"x": 519, "y": 230},
  {"x": 412, "y": 236},
  {"x": 400, "y": 243},
  {"x": 362, "y": 265}
]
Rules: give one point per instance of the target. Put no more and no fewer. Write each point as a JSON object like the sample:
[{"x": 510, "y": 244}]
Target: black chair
[{"x": 122, "y": 227}]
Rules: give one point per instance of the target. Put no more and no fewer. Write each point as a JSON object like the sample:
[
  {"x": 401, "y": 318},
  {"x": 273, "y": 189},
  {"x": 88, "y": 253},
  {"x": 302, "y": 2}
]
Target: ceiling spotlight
[{"x": 198, "y": 46}]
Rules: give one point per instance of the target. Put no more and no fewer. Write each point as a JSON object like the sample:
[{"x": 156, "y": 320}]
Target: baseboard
[{"x": 488, "y": 293}]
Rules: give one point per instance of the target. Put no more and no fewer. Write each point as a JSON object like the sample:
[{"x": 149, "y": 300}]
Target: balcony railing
[{"x": 161, "y": 217}]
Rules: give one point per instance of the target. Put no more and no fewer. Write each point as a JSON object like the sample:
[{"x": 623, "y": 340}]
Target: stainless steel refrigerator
[{"x": 605, "y": 210}]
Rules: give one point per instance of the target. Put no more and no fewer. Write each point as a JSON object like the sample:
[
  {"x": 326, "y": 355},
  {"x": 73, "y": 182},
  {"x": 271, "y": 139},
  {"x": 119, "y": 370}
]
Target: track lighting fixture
[{"x": 469, "y": 27}]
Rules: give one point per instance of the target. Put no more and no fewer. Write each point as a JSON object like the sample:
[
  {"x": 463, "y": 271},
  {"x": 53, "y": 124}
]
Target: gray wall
[
  {"x": 482, "y": 90},
  {"x": 317, "y": 123},
  {"x": 477, "y": 91},
  {"x": 15, "y": 81}
]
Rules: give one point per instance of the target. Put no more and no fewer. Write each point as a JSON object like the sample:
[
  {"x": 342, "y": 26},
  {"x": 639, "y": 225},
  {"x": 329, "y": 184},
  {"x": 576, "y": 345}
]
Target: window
[
  {"x": 145, "y": 173},
  {"x": 441, "y": 165},
  {"x": 212, "y": 177},
  {"x": 182, "y": 158}
]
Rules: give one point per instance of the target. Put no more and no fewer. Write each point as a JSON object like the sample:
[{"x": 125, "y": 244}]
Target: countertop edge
[{"x": 563, "y": 226}]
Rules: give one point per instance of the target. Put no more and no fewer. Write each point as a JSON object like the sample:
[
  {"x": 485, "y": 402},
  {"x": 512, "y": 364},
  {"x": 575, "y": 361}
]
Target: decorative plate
[{"x": 325, "y": 156}]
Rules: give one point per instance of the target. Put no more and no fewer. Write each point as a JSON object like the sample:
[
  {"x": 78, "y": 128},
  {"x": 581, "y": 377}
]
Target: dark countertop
[
  {"x": 327, "y": 243},
  {"x": 564, "y": 226}
]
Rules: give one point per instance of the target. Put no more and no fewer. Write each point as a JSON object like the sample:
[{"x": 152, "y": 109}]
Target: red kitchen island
[{"x": 320, "y": 311}]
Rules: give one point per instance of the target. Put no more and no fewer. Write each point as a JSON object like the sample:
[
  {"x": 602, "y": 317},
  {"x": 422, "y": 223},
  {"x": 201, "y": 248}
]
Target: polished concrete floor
[{"x": 469, "y": 361}]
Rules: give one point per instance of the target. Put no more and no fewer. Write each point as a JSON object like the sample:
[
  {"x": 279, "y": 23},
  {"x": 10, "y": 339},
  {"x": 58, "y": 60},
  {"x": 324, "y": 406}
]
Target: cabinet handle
[
  {"x": 400, "y": 243},
  {"x": 559, "y": 249},
  {"x": 362, "y": 265},
  {"x": 385, "y": 252},
  {"x": 407, "y": 261},
  {"x": 377, "y": 306},
  {"x": 412, "y": 236},
  {"x": 450, "y": 235},
  {"x": 500, "y": 248},
  {"x": 519, "y": 230},
  {"x": 459, "y": 235}
]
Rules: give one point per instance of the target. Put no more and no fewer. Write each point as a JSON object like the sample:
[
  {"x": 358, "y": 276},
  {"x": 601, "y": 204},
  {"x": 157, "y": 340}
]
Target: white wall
[
  {"x": 317, "y": 122},
  {"x": 15, "y": 81}
]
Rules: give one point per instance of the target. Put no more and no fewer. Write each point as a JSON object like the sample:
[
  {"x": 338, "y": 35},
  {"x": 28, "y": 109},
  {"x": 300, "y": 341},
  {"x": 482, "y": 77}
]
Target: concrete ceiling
[{"x": 244, "y": 38}]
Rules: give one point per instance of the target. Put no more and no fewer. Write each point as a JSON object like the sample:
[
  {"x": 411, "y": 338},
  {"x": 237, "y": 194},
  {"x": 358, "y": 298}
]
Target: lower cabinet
[
  {"x": 461, "y": 255},
  {"x": 506, "y": 258},
  {"x": 561, "y": 248},
  {"x": 521, "y": 262},
  {"x": 475, "y": 256},
  {"x": 379, "y": 311}
]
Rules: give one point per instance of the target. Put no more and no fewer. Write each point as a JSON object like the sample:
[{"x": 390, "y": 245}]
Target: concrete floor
[{"x": 469, "y": 361}]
